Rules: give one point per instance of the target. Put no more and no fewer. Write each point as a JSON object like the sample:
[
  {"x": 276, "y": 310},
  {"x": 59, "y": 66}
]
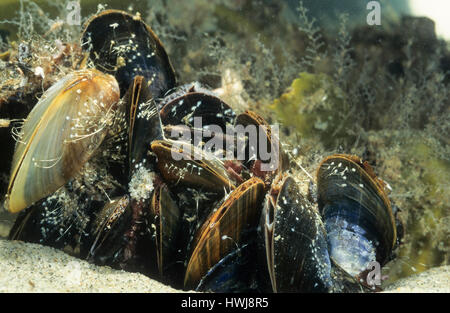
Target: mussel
[
  {"x": 144, "y": 124},
  {"x": 193, "y": 100},
  {"x": 294, "y": 241},
  {"x": 357, "y": 213},
  {"x": 327, "y": 248},
  {"x": 164, "y": 219},
  {"x": 107, "y": 247},
  {"x": 264, "y": 157},
  {"x": 121, "y": 44},
  {"x": 60, "y": 134},
  {"x": 186, "y": 164}
]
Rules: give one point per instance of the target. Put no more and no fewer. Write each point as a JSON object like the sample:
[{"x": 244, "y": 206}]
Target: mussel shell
[
  {"x": 194, "y": 167},
  {"x": 193, "y": 101},
  {"x": 196, "y": 204},
  {"x": 223, "y": 145},
  {"x": 107, "y": 240},
  {"x": 356, "y": 211},
  {"x": 234, "y": 273},
  {"x": 295, "y": 247},
  {"x": 144, "y": 123},
  {"x": 164, "y": 217},
  {"x": 42, "y": 223},
  {"x": 225, "y": 230},
  {"x": 122, "y": 44},
  {"x": 60, "y": 134},
  {"x": 270, "y": 141}
]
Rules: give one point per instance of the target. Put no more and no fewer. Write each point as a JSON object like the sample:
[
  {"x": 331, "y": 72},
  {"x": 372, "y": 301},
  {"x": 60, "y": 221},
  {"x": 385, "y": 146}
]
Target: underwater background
[{"x": 333, "y": 82}]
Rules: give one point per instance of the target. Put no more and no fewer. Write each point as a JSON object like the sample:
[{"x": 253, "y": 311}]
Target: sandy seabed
[{"x": 27, "y": 267}]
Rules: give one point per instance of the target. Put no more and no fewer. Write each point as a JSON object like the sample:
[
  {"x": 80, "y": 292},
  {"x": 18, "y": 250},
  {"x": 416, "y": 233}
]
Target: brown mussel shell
[
  {"x": 279, "y": 160},
  {"x": 224, "y": 230},
  {"x": 188, "y": 165}
]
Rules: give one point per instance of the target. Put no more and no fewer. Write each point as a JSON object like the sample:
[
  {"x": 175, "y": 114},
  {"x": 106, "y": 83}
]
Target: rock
[
  {"x": 434, "y": 280},
  {"x": 26, "y": 267}
]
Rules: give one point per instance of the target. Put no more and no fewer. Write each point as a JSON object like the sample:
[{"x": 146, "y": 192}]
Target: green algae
[
  {"x": 430, "y": 226},
  {"x": 315, "y": 108}
]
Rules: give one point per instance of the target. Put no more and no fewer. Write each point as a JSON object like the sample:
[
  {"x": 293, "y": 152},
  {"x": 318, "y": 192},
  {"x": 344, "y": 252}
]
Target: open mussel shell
[
  {"x": 182, "y": 163},
  {"x": 265, "y": 156},
  {"x": 144, "y": 124},
  {"x": 225, "y": 230},
  {"x": 60, "y": 134},
  {"x": 196, "y": 115},
  {"x": 107, "y": 240},
  {"x": 123, "y": 45},
  {"x": 164, "y": 220},
  {"x": 294, "y": 245},
  {"x": 356, "y": 211}
]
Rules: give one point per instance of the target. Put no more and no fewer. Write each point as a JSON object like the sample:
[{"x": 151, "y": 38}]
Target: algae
[{"x": 312, "y": 106}]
